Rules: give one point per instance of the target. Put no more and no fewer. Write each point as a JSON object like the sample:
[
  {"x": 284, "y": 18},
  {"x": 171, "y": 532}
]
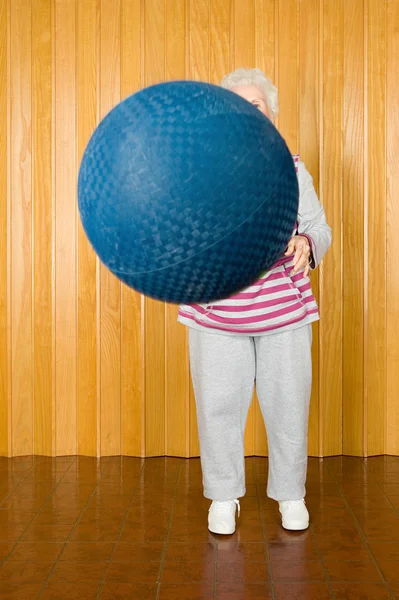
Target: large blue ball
[{"x": 187, "y": 192}]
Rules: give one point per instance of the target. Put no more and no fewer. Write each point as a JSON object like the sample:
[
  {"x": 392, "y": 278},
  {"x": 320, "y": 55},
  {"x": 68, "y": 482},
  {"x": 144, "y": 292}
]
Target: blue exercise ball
[{"x": 187, "y": 192}]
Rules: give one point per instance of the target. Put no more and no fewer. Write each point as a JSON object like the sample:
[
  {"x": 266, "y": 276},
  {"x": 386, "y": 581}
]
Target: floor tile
[
  {"x": 243, "y": 591},
  {"x": 129, "y": 572},
  {"x": 230, "y": 550},
  {"x": 385, "y": 551},
  {"x": 37, "y": 551},
  {"x": 297, "y": 552},
  {"x": 242, "y": 570},
  {"x": 5, "y": 549},
  {"x": 70, "y": 591},
  {"x": 25, "y": 572},
  {"x": 132, "y": 532},
  {"x": 77, "y": 572},
  {"x": 189, "y": 591},
  {"x": 39, "y": 532},
  {"x": 275, "y": 533},
  {"x": 360, "y": 591},
  {"x": 298, "y": 571},
  {"x": 189, "y": 571},
  {"x": 302, "y": 591},
  {"x": 19, "y": 591},
  {"x": 352, "y": 571},
  {"x": 381, "y": 531},
  {"x": 95, "y": 527},
  {"x": 110, "y": 498},
  {"x": 88, "y": 551},
  {"x": 134, "y": 552},
  {"x": 389, "y": 570},
  {"x": 119, "y": 591}
]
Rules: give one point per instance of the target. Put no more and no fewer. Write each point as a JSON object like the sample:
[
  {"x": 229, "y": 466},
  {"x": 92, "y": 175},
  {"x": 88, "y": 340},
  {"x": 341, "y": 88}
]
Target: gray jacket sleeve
[{"x": 311, "y": 217}]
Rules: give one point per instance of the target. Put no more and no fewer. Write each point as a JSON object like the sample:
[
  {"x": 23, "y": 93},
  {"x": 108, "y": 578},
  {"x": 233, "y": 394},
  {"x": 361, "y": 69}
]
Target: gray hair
[{"x": 254, "y": 77}]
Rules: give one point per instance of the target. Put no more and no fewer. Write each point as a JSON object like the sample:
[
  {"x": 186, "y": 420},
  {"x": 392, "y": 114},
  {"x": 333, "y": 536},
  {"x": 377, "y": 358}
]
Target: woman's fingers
[
  {"x": 290, "y": 247},
  {"x": 300, "y": 246},
  {"x": 301, "y": 263}
]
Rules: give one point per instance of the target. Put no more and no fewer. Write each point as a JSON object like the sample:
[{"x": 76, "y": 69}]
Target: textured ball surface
[{"x": 187, "y": 192}]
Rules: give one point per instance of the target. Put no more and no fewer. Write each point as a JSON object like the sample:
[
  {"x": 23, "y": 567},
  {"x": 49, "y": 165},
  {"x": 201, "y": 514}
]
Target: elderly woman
[{"x": 262, "y": 335}]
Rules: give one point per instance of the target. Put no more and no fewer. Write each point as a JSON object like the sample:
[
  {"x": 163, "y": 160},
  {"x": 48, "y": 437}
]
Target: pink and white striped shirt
[{"x": 277, "y": 301}]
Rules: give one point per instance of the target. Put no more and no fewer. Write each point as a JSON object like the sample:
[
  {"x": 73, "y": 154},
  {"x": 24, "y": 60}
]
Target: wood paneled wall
[{"x": 88, "y": 366}]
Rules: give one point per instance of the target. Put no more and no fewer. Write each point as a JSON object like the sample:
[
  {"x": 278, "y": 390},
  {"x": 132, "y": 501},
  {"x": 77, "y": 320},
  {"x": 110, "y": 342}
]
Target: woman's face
[{"x": 254, "y": 95}]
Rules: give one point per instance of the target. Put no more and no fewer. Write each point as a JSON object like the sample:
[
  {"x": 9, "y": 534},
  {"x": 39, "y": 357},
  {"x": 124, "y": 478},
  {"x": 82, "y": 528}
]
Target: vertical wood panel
[
  {"x": 243, "y": 55},
  {"x": 330, "y": 406},
  {"x": 132, "y": 303},
  {"x": 194, "y": 446},
  {"x": 42, "y": 227},
  {"x": 198, "y": 32},
  {"x": 265, "y": 37},
  {"x": 309, "y": 150},
  {"x": 154, "y": 61},
  {"x": 176, "y": 356},
  {"x": 4, "y": 234},
  {"x": 243, "y": 34},
  {"x": 265, "y": 40},
  {"x": 375, "y": 251},
  {"x": 198, "y": 67},
  {"x": 209, "y": 35},
  {"x": 288, "y": 71},
  {"x": 353, "y": 231},
  {"x": 219, "y": 46},
  {"x": 21, "y": 219},
  {"x": 65, "y": 232},
  {"x": 87, "y": 384},
  {"x": 392, "y": 107},
  {"x": 110, "y": 286}
]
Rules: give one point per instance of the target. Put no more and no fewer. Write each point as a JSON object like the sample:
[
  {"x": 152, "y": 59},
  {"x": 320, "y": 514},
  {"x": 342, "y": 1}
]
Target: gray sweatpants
[{"x": 224, "y": 370}]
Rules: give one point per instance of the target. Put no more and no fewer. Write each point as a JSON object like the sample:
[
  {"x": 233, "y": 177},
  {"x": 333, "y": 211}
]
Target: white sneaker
[
  {"x": 222, "y": 517},
  {"x": 294, "y": 515}
]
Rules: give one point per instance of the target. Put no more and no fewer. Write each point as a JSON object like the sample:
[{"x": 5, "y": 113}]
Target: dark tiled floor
[{"x": 127, "y": 528}]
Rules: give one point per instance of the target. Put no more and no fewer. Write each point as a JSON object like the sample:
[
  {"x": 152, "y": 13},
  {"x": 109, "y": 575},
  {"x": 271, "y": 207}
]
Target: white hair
[{"x": 254, "y": 77}]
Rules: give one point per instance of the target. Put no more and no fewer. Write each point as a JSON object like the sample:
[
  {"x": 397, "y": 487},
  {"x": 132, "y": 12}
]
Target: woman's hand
[{"x": 300, "y": 245}]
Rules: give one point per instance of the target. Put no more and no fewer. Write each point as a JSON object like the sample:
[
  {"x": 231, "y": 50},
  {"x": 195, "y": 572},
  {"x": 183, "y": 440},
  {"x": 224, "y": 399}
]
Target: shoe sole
[
  {"x": 221, "y": 532},
  {"x": 298, "y": 527}
]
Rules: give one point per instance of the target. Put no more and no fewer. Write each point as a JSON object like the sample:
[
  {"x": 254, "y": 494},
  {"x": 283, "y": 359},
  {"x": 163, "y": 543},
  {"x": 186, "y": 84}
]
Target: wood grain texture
[
  {"x": 330, "y": 403},
  {"x": 110, "y": 286},
  {"x": 375, "y": 326},
  {"x": 154, "y": 62},
  {"x": 42, "y": 68},
  {"x": 198, "y": 37},
  {"x": 243, "y": 55},
  {"x": 87, "y": 335},
  {"x": 65, "y": 227},
  {"x": 88, "y": 365},
  {"x": 309, "y": 151},
  {"x": 287, "y": 47},
  {"x": 265, "y": 41},
  {"x": 243, "y": 38},
  {"x": 4, "y": 234},
  {"x": 132, "y": 303},
  {"x": 177, "y": 416},
  {"x": 198, "y": 68},
  {"x": 219, "y": 39},
  {"x": 21, "y": 234},
  {"x": 353, "y": 230},
  {"x": 392, "y": 107}
]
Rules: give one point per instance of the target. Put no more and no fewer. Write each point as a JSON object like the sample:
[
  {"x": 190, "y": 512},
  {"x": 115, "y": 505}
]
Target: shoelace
[
  {"x": 227, "y": 507},
  {"x": 293, "y": 504}
]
